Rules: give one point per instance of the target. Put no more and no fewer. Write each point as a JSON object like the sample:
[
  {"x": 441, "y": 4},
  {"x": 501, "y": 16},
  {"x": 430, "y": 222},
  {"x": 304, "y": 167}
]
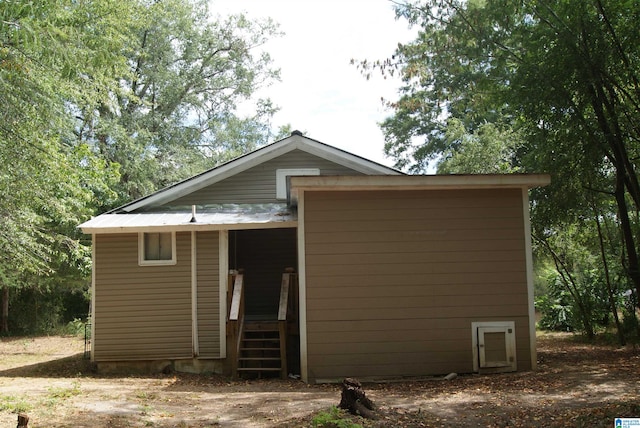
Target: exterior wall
[
  {"x": 257, "y": 185},
  {"x": 141, "y": 312},
  {"x": 208, "y": 280},
  {"x": 395, "y": 279}
]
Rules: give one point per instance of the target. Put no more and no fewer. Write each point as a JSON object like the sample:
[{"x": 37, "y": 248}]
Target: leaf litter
[{"x": 576, "y": 384}]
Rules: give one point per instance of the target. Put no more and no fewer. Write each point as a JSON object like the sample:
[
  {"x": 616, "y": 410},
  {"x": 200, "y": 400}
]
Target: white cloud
[{"x": 321, "y": 93}]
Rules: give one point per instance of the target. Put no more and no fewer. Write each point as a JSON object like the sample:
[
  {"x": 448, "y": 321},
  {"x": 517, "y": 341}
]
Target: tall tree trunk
[
  {"x": 5, "y": 309},
  {"x": 633, "y": 264},
  {"x": 607, "y": 108},
  {"x": 610, "y": 293}
]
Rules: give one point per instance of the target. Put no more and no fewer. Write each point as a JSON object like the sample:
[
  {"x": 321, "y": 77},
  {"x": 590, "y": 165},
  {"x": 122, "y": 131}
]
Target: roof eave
[
  {"x": 190, "y": 227},
  {"x": 249, "y": 160},
  {"x": 415, "y": 182}
]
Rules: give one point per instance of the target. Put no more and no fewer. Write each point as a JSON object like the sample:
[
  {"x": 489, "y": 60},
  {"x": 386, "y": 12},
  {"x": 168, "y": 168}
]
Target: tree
[
  {"x": 106, "y": 100},
  {"x": 47, "y": 181},
  {"x": 489, "y": 150},
  {"x": 562, "y": 74},
  {"x": 176, "y": 110}
]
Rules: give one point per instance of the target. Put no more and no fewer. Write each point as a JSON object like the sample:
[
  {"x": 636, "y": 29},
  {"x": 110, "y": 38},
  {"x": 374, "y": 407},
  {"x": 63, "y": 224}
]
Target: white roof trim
[
  {"x": 233, "y": 167},
  {"x": 416, "y": 182},
  {"x": 179, "y": 222}
]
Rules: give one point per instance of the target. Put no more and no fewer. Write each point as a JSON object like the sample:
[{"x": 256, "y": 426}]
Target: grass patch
[
  {"x": 14, "y": 404},
  {"x": 146, "y": 396},
  {"x": 64, "y": 393},
  {"x": 334, "y": 418},
  {"x": 57, "y": 394}
]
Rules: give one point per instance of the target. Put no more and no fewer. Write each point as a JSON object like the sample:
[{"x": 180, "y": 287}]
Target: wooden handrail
[
  {"x": 237, "y": 298},
  {"x": 236, "y": 321},
  {"x": 287, "y": 307},
  {"x": 285, "y": 313},
  {"x": 284, "y": 298}
]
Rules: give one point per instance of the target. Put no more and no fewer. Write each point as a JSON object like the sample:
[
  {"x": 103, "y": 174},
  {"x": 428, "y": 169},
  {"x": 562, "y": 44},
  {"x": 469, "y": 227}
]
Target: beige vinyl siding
[
  {"x": 208, "y": 279},
  {"x": 257, "y": 185},
  {"x": 141, "y": 312},
  {"x": 395, "y": 279}
]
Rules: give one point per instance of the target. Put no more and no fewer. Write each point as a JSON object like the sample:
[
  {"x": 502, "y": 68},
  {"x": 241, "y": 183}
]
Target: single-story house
[{"x": 302, "y": 258}]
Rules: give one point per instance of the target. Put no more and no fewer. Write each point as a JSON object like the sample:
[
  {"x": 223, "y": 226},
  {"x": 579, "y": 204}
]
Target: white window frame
[
  {"x": 142, "y": 261},
  {"x": 281, "y": 179}
]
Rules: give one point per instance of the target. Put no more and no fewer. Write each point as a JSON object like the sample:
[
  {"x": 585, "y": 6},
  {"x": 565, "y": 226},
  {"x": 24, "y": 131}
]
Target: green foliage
[
  {"x": 52, "y": 55},
  {"x": 104, "y": 101},
  {"x": 175, "y": 113},
  {"x": 630, "y": 323},
  {"x": 76, "y": 327},
  {"x": 333, "y": 418},
  {"x": 489, "y": 150},
  {"x": 555, "y": 313},
  {"x": 492, "y": 86},
  {"x": 37, "y": 310},
  {"x": 579, "y": 306}
]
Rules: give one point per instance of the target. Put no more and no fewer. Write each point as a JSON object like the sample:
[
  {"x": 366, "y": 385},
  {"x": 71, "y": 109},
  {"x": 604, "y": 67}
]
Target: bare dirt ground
[{"x": 576, "y": 384}]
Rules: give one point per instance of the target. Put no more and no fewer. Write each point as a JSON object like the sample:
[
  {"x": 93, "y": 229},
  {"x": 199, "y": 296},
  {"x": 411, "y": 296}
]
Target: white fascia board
[
  {"x": 215, "y": 175},
  {"x": 417, "y": 182},
  {"x": 189, "y": 227},
  {"x": 257, "y": 157},
  {"x": 343, "y": 158}
]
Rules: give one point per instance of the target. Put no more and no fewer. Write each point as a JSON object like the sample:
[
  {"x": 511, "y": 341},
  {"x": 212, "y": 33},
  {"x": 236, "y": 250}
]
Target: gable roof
[{"x": 296, "y": 141}]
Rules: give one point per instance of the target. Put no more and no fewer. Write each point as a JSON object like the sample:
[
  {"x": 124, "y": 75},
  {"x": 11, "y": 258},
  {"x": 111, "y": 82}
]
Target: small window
[{"x": 157, "y": 248}]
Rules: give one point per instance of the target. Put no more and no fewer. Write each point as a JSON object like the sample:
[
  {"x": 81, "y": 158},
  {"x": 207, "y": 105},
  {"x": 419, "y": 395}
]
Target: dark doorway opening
[{"x": 264, "y": 254}]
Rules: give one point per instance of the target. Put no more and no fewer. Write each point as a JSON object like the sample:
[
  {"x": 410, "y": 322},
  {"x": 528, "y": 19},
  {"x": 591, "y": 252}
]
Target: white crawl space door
[{"x": 494, "y": 346}]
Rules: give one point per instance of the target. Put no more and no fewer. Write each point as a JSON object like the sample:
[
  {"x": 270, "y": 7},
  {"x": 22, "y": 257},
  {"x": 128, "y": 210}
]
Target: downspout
[
  {"x": 93, "y": 296},
  {"x": 223, "y": 269},
  {"x": 302, "y": 293},
  {"x": 529, "y": 266},
  {"x": 194, "y": 295}
]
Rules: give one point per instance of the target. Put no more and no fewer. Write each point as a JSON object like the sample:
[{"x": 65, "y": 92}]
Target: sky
[{"x": 321, "y": 93}]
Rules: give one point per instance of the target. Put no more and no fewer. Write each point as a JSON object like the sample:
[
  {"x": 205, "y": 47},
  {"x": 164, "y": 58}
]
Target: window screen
[{"x": 157, "y": 248}]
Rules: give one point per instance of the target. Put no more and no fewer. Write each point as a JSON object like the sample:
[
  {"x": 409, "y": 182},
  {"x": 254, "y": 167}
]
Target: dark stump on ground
[
  {"x": 354, "y": 399},
  {"x": 23, "y": 420}
]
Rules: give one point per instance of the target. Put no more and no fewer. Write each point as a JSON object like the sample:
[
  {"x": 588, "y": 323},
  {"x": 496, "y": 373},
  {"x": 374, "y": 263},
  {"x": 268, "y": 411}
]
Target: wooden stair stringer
[{"x": 260, "y": 351}]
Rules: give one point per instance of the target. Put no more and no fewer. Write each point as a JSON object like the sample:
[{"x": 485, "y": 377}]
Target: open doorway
[
  {"x": 267, "y": 346},
  {"x": 264, "y": 254}
]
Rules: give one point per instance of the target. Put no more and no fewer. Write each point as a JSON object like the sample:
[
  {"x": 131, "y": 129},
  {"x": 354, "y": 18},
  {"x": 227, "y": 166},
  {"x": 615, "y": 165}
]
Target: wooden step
[
  {"x": 259, "y": 358},
  {"x": 261, "y": 334},
  {"x": 261, "y": 348},
  {"x": 259, "y": 369},
  {"x": 256, "y": 329},
  {"x": 275, "y": 342},
  {"x": 259, "y": 351},
  {"x": 260, "y": 326}
]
